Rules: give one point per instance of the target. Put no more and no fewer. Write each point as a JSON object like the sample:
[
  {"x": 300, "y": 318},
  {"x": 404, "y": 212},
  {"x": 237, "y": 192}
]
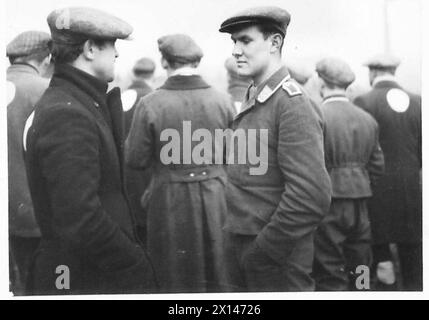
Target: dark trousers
[
  {"x": 250, "y": 269},
  {"x": 342, "y": 242},
  {"x": 21, "y": 253},
  {"x": 410, "y": 257}
]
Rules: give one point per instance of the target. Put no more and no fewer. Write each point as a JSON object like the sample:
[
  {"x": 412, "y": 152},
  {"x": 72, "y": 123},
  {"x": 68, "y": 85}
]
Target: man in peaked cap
[
  {"x": 29, "y": 56},
  {"x": 185, "y": 204},
  {"x": 272, "y": 217},
  {"x": 354, "y": 161},
  {"x": 396, "y": 208},
  {"x": 75, "y": 166}
]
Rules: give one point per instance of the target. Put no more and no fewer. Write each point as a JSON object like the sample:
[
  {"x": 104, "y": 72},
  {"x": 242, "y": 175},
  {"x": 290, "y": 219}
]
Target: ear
[
  {"x": 164, "y": 63},
  {"x": 89, "y": 50},
  {"x": 276, "y": 42}
]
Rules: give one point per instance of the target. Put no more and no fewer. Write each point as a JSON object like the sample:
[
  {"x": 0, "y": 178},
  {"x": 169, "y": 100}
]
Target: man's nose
[
  {"x": 116, "y": 53},
  {"x": 237, "y": 51}
]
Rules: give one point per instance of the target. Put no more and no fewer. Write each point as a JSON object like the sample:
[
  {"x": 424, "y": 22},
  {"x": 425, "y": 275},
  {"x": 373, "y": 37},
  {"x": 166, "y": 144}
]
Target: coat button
[
  {"x": 192, "y": 174},
  {"x": 96, "y": 104},
  {"x": 204, "y": 173}
]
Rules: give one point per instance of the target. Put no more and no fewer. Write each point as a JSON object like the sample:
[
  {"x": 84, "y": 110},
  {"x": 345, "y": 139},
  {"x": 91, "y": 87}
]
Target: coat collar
[
  {"x": 94, "y": 87},
  {"x": 105, "y": 107},
  {"x": 180, "y": 82},
  {"x": 335, "y": 98},
  {"x": 386, "y": 81},
  {"x": 22, "y": 67},
  {"x": 139, "y": 84},
  {"x": 265, "y": 90}
]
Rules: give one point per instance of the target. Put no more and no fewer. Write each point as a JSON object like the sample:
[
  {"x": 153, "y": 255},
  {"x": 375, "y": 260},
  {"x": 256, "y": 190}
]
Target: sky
[{"x": 350, "y": 29}]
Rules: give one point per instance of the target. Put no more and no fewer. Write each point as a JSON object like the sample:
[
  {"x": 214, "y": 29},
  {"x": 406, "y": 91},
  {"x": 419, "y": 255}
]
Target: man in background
[
  {"x": 143, "y": 72},
  {"x": 354, "y": 161},
  {"x": 137, "y": 180},
  {"x": 29, "y": 57},
  {"x": 396, "y": 208},
  {"x": 185, "y": 204}
]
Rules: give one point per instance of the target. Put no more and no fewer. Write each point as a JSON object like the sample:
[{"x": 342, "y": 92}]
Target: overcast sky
[{"x": 351, "y": 29}]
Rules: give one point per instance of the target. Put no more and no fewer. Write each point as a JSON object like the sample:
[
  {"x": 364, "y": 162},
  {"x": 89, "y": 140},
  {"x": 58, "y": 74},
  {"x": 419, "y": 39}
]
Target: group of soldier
[{"x": 90, "y": 191}]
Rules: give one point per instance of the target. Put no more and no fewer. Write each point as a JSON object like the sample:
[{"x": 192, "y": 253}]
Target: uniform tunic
[
  {"x": 354, "y": 161},
  {"x": 281, "y": 208}
]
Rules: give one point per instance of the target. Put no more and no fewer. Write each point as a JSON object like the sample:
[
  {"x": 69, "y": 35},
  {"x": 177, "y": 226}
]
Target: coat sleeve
[
  {"x": 375, "y": 165},
  {"x": 67, "y": 147},
  {"x": 307, "y": 189},
  {"x": 140, "y": 144}
]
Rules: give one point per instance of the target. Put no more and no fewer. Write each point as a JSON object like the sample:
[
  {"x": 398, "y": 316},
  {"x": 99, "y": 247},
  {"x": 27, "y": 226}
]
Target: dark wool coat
[
  {"x": 29, "y": 87},
  {"x": 74, "y": 164},
  {"x": 185, "y": 203},
  {"x": 396, "y": 208}
]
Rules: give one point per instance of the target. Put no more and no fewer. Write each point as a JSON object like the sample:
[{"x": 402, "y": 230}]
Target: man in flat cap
[
  {"x": 354, "y": 161},
  {"x": 75, "y": 166},
  {"x": 396, "y": 208},
  {"x": 143, "y": 72},
  {"x": 137, "y": 180},
  {"x": 272, "y": 217},
  {"x": 29, "y": 57},
  {"x": 185, "y": 203}
]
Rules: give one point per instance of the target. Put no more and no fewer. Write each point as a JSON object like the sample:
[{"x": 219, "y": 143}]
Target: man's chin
[{"x": 243, "y": 72}]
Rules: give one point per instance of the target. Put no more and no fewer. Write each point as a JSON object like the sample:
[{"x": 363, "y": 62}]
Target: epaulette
[{"x": 292, "y": 88}]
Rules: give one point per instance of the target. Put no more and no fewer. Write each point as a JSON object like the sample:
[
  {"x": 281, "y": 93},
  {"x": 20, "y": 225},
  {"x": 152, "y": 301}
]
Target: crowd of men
[{"x": 100, "y": 201}]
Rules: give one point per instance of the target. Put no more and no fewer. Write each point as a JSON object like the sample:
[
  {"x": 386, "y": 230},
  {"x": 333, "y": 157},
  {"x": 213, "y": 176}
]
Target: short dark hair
[
  {"x": 391, "y": 70},
  {"x": 268, "y": 29},
  {"x": 67, "y": 53},
  {"x": 333, "y": 86},
  {"x": 37, "y": 56},
  {"x": 176, "y": 64}
]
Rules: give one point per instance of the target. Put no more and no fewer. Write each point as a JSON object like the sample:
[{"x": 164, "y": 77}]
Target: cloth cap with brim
[
  {"x": 382, "y": 61},
  {"x": 274, "y": 16},
  {"x": 179, "y": 48},
  {"x": 335, "y": 71},
  {"x": 75, "y": 25},
  {"x": 27, "y": 43},
  {"x": 144, "y": 65}
]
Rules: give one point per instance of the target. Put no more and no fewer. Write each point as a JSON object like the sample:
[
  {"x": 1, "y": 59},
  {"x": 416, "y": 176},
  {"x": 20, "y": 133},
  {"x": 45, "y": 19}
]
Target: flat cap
[
  {"x": 77, "y": 24},
  {"x": 335, "y": 71},
  {"x": 299, "y": 72},
  {"x": 382, "y": 61},
  {"x": 179, "y": 48},
  {"x": 27, "y": 43},
  {"x": 144, "y": 65},
  {"x": 274, "y": 16}
]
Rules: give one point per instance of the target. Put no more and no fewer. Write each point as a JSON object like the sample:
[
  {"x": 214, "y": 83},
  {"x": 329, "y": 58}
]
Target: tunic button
[
  {"x": 192, "y": 174},
  {"x": 204, "y": 173},
  {"x": 96, "y": 104}
]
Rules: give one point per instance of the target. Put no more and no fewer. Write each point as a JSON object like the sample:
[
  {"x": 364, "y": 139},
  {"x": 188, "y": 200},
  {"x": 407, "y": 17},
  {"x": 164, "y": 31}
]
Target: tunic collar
[{"x": 265, "y": 90}]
